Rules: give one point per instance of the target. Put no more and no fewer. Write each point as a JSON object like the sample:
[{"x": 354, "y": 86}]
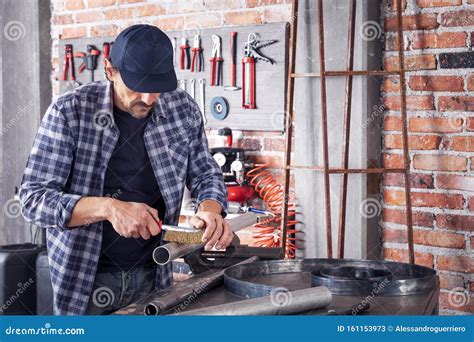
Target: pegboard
[{"x": 270, "y": 78}]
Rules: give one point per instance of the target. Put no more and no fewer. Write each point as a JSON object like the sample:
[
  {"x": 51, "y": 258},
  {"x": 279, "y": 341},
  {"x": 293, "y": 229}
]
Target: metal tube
[
  {"x": 170, "y": 251},
  {"x": 324, "y": 126},
  {"x": 403, "y": 109},
  {"x": 279, "y": 303},
  {"x": 346, "y": 131},
  {"x": 185, "y": 290}
]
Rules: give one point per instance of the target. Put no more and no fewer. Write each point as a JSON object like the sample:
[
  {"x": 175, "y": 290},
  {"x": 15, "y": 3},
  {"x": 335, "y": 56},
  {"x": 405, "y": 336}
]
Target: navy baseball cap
[{"x": 144, "y": 56}]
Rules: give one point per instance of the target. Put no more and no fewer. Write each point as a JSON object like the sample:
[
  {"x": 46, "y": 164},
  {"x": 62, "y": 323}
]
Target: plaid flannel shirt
[{"x": 69, "y": 159}]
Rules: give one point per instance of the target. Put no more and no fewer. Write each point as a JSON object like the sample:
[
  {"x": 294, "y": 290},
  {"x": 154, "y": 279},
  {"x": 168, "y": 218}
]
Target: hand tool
[
  {"x": 171, "y": 297},
  {"x": 219, "y": 108},
  {"x": 190, "y": 239},
  {"x": 182, "y": 84},
  {"x": 278, "y": 303},
  {"x": 233, "y": 58},
  {"x": 192, "y": 90},
  {"x": 251, "y": 54},
  {"x": 185, "y": 59},
  {"x": 175, "y": 44},
  {"x": 216, "y": 61},
  {"x": 68, "y": 63},
  {"x": 105, "y": 51},
  {"x": 89, "y": 60},
  {"x": 202, "y": 86},
  {"x": 197, "y": 62}
]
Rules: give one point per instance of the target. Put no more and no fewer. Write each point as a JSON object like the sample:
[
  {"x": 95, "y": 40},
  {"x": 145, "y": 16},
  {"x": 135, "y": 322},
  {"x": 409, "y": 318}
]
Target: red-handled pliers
[
  {"x": 185, "y": 58},
  {"x": 216, "y": 61},
  {"x": 197, "y": 62}
]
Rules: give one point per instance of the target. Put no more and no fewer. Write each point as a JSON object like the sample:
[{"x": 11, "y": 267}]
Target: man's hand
[
  {"x": 132, "y": 219},
  {"x": 217, "y": 231}
]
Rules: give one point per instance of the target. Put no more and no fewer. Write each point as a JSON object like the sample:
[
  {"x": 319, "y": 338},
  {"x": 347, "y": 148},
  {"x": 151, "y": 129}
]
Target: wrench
[
  {"x": 174, "y": 43},
  {"x": 202, "y": 84},
  {"x": 192, "y": 91},
  {"x": 182, "y": 84}
]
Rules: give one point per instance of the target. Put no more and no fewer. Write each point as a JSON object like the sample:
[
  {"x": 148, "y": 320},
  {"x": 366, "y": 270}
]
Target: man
[{"x": 108, "y": 165}]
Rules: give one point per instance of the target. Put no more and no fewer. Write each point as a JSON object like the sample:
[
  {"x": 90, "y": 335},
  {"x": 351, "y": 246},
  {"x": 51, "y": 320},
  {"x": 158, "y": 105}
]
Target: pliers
[
  {"x": 185, "y": 60},
  {"x": 68, "y": 63},
  {"x": 197, "y": 62},
  {"x": 216, "y": 61},
  {"x": 253, "y": 46}
]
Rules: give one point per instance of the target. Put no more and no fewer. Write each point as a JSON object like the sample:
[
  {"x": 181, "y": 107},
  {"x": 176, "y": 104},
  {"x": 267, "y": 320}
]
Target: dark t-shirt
[{"x": 129, "y": 178}]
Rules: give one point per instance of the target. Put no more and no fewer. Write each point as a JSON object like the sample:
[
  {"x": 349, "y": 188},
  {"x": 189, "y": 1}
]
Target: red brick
[
  {"x": 457, "y": 18},
  {"x": 203, "y": 20},
  {"x": 393, "y": 161},
  {"x": 439, "y": 40},
  {"x": 87, "y": 17},
  {"x": 103, "y": 30},
  {"x": 456, "y": 263},
  {"x": 417, "y": 180},
  {"x": 436, "y": 83},
  {"x": 435, "y": 125},
  {"x": 455, "y": 182},
  {"x": 100, "y": 3},
  {"x": 424, "y": 21},
  {"x": 460, "y": 143},
  {"x": 170, "y": 24},
  {"x": 439, "y": 239},
  {"x": 455, "y": 222},
  {"x": 418, "y": 62},
  {"x": 118, "y": 13},
  {"x": 424, "y": 199},
  {"x": 62, "y": 19},
  {"x": 434, "y": 162},
  {"x": 438, "y": 3},
  {"x": 242, "y": 18},
  {"x": 471, "y": 204},
  {"x": 422, "y": 219},
  {"x": 276, "y": 14},
  {"x": 458, "y": 301},
  {"x": 420, "y": 102},
  {"x": 394, "y": 235},
  {"x": 72, "y": 32},
  {"x": 470, "y": 82},
  {"x": 392, "y": 123},
  {"x": 130, "y": 1},
  {"x": 73, "y": 5},
  {"x": 393, "y": 4},
  {"x": 258, "y": 3},
  {"x": 401, "y": 255},
  {"x": 456, "y": 103},
  {"x": 249, "y": 144},
  {"x": 391, "y": 84},
  {"x": 449, "y": 281},
  {"x": 415, "y": 142},
  {"x": 470, "y": 124},
  {"x": 391, "y": 43},
  {"x": 277, "y": 144},
  {"x": 150, "y": 10}
]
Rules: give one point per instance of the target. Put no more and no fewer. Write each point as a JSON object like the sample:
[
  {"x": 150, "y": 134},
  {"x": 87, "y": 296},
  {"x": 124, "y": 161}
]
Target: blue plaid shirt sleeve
[
  {"x": 42, "y": 196},
  {"x": 204, "y": 178}
]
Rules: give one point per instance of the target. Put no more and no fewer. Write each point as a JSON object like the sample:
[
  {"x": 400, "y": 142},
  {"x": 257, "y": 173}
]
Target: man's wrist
[
  {"x": 105, "y": 209},
  {"x": 210, "y": 206}
]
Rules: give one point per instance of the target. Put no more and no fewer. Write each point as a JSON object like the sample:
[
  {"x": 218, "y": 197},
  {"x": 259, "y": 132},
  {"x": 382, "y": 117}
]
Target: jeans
[{"x": 113, "y": 291}]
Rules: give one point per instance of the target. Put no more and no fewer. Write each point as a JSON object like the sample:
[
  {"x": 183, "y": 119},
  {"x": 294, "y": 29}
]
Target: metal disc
[
  {"x": 219, "y": 108},
  {"x": 262, "y": 277}
]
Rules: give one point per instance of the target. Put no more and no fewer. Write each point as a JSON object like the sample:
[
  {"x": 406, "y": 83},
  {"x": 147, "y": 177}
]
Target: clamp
[
  {"x": 197, "y": 62},
  {"x": 216, "y": 61}
]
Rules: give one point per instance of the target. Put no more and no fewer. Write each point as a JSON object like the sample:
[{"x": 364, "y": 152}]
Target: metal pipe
[
  {"x": 186, "y": 290},
  {"x": 278, "y": 303},
  {"x": 170, "y": 251}
]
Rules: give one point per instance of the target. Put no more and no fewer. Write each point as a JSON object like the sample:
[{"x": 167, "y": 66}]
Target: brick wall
[
  {"x": 95, "y": 18},
  {"x": 440, "y": 101}
]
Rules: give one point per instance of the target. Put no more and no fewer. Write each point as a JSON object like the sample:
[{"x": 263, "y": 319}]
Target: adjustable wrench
[
  {"x": 182, "y": 84},
  {"x": 202, "y": 84},
  {"x": 192, "y": 90}
]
